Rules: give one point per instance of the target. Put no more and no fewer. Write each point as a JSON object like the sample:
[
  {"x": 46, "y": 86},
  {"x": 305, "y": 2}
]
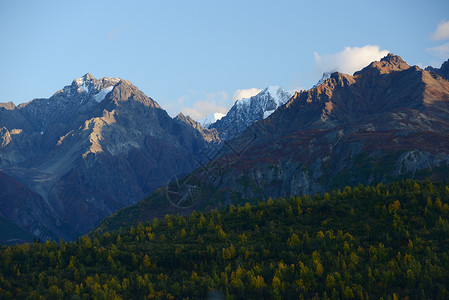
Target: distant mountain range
[{"x": 386, "y": 122}]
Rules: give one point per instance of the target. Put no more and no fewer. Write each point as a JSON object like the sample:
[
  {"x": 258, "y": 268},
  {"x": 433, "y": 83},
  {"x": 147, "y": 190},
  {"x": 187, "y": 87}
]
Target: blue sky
[{"x": 199, "y": 56}]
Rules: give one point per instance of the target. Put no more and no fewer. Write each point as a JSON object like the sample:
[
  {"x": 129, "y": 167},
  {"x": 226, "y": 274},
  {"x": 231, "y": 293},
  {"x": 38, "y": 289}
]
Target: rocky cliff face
[
  {"x": 92, "y": 148},
  {"x": 388, "y": 121}
]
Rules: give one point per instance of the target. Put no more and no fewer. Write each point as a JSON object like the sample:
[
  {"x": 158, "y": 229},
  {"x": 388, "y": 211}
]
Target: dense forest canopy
[{"x": 368, "y": 242}]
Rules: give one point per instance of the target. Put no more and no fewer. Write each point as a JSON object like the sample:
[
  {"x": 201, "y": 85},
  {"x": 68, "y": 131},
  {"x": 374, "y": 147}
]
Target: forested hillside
[{"x": 388, "y": 241}]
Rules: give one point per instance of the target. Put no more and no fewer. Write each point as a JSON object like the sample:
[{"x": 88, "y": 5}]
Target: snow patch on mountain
[
  {"x": 84, "y": 88},
  {"x": 278, "y": 94},
  {"x": 102, "y": 94},
  {"x": 243, "y": 102},
  {"x": 267, "y": 113},
  {"x": 268, "y": 100}
]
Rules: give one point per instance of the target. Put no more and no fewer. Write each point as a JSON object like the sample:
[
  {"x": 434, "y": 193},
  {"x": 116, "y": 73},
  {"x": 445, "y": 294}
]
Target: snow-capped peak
[
  {"x": 86, "y": 88},
  {"x": 244, "y": 101},
  {"x": 268, "y": 100},
  {"x": 278, "y": 94},
  {"x": 82, "y": 83},
  {"x": 84, "y": 79},
  {"x": 245, "y": 112},
  {"x": 210, "y": 119}
]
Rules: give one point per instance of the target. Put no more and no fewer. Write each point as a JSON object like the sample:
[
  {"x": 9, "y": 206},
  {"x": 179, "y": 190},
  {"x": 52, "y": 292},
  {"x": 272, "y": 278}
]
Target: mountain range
[
  {"x": 386, "y": 122},
  {"x": 99, "y": 145}
]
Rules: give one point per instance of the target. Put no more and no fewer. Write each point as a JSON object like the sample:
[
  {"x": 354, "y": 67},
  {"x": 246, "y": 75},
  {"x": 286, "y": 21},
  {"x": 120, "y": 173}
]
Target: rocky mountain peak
[
  {"x": 185, "y": 119},
  {"x": 388, "y": 64},
  {"x": 83, "y": 80},
  {"x": 394, "y": 61},
  {"x": 87, "y": 77},
  {"x": 341, "y": 79},
  {"x": 209, "y": 135},
  {"x": 277, "y": 93},
  {"x": 89, "y": 84},
  {"x": 8, "y": 105},
  {"x": 181, "y": 118},
  {"x": 125, "y": 91},
  {"x": 81, "y": 97},
  {"x": 245, "y": 112}
]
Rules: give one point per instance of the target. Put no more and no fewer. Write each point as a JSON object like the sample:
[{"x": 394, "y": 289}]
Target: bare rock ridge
[
  {"x": 209, "y": 135},
  {"x": 386, "y": 122},
  {"x": 93, "y": 147},
  {"x": 443, "y": 71},
  {"x": 388, "y": 64}
]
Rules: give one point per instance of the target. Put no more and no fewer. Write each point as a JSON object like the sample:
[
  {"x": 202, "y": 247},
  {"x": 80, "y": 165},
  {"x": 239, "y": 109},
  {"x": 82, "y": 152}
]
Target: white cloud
[
  {"x": 349, "y": 60},
  {"x": 442, "y": 32},
  {"x": 202, "y": 109},
  {"x": 441, "y": 52},
  {"x": 245, "y": 93},
  {"x": 210, "y": 103},
  {"x": 297, "y": 89}
]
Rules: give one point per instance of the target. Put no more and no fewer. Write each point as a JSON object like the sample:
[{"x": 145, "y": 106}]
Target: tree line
[{"x": 366, "y": 242}]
